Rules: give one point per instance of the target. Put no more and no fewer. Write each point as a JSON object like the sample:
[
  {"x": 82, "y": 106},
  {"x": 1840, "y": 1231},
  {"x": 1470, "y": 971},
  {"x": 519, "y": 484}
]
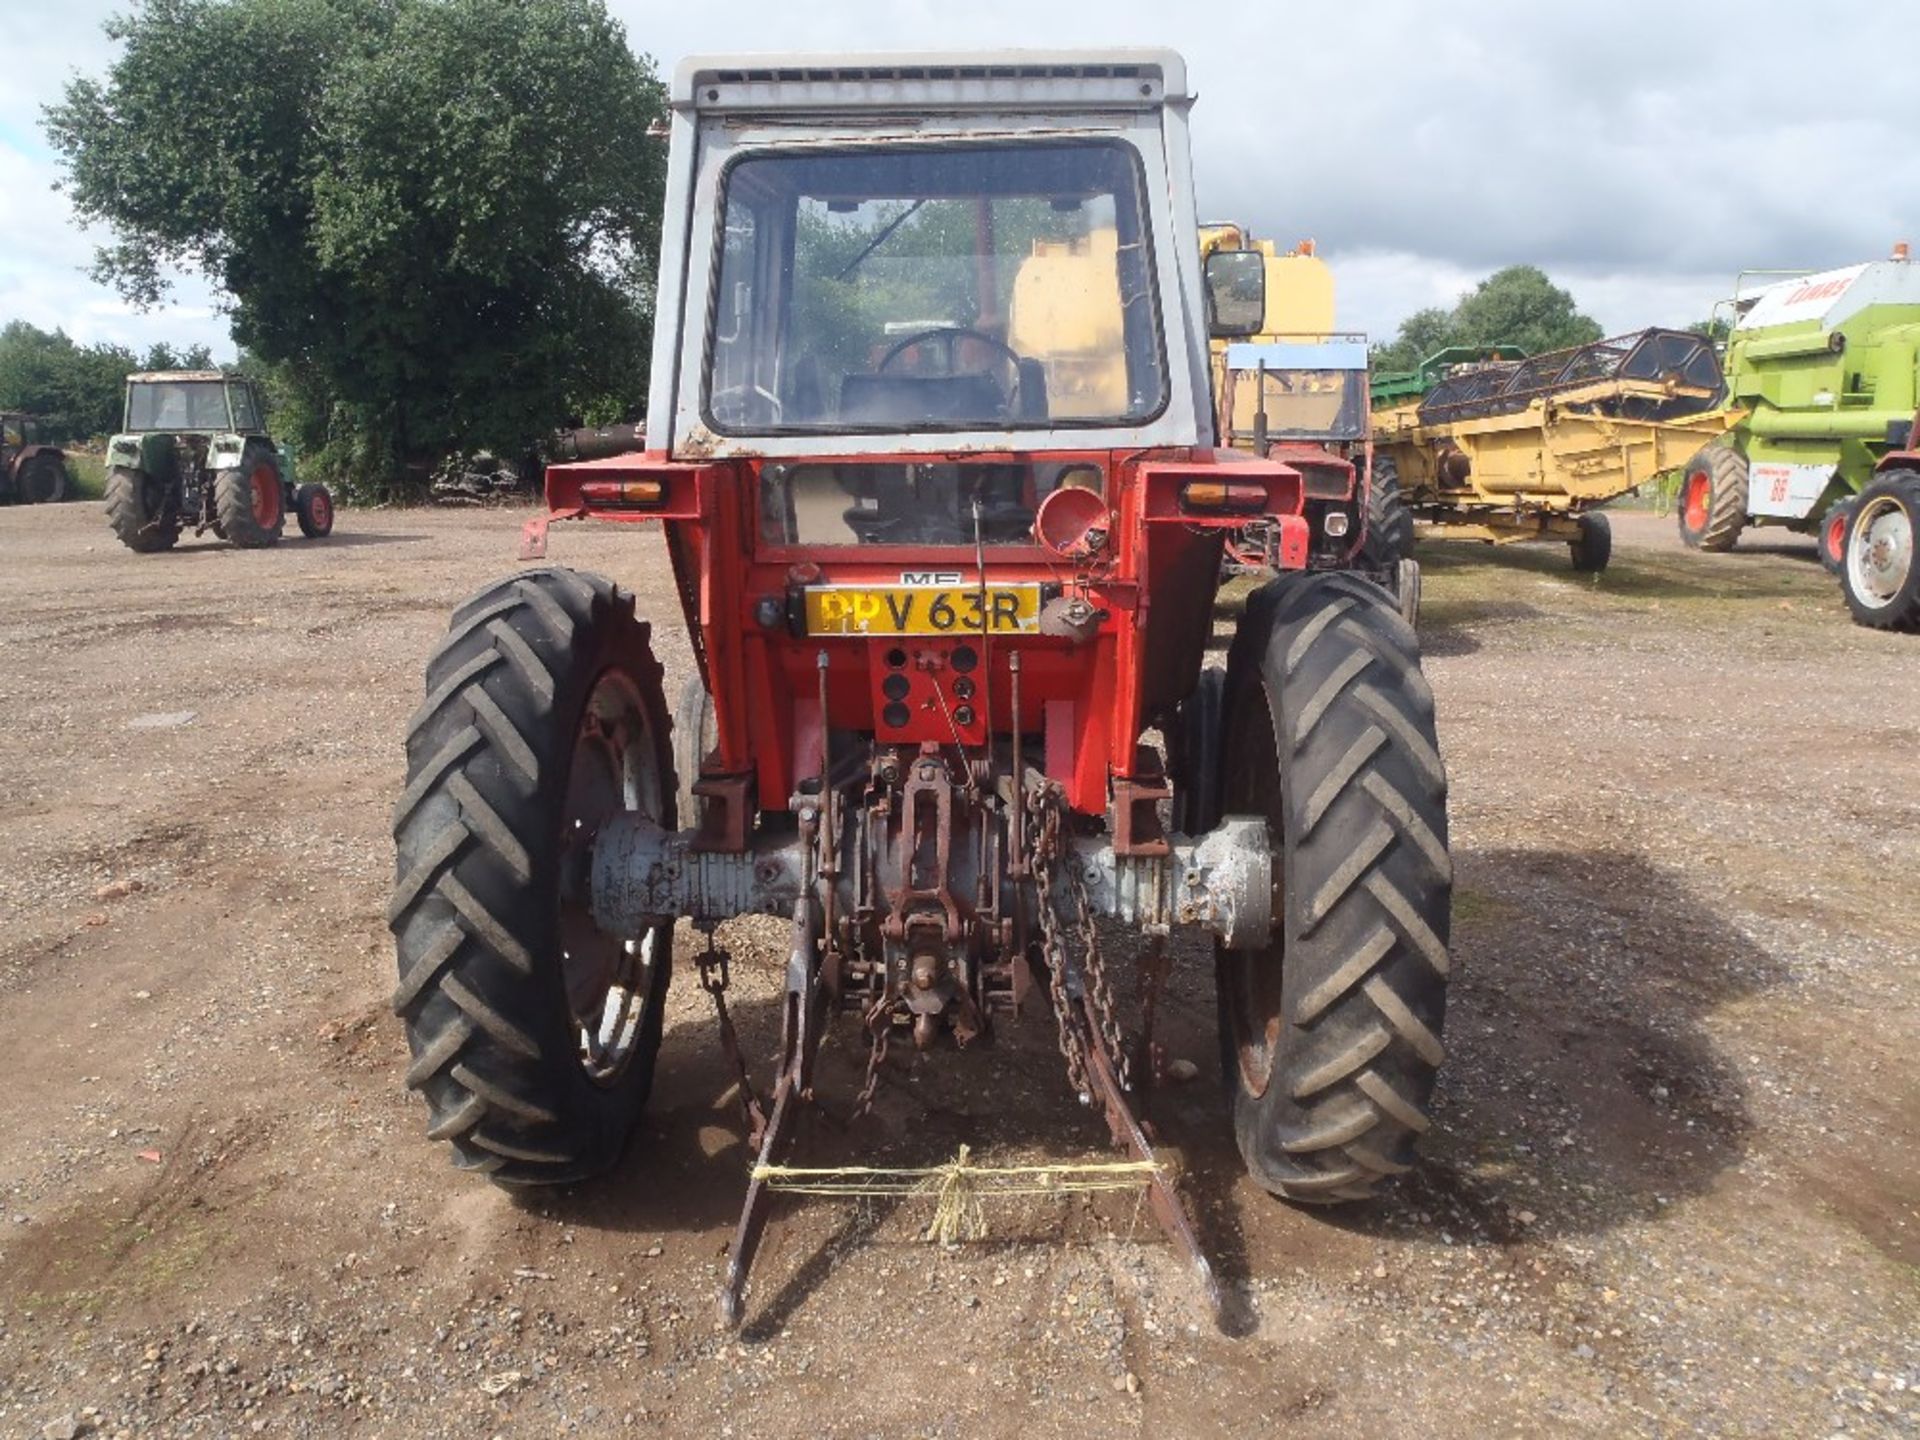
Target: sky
[{"x": 1641, "y": 154}]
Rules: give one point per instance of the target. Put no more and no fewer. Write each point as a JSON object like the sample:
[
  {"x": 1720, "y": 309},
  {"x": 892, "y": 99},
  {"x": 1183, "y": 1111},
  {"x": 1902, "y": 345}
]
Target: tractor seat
[{"x": 921, "y": 399}]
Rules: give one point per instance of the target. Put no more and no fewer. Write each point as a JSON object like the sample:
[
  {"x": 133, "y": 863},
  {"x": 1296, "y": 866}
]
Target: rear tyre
[
  {"x": 1594, "y": 548},
  {"x": 142, "y": 509},
  {"x": 533, "y": 1034},
  {"x": 1196, "y": 761},
  {"x": 1881, "y": 575},
  {"x": 1712, "y": 510},
  {"x": 695, "y": 733},
  {"x": 249, "y": 501},
  {"x": 1331, "y": 1035},
  {"x": 1833, "y": 535},
  {"x": 42, "y": 480},
  {"x": 1390, "y": 533},
  {"x": 313, "y": 507}
]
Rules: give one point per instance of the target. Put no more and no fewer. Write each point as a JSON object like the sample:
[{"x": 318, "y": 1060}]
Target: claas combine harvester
[
  {"x": 1823, "y": 375},
  {"x": 948, "y": 558}
]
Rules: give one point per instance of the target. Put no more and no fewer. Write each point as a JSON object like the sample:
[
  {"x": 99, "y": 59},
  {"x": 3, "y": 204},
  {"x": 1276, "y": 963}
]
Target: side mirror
[{"x": 1236, "y": 293}]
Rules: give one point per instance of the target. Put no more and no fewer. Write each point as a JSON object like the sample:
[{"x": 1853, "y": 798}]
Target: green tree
[
  {"x": 162, "y": 356},
  {"x": 1421, "y": 334},
  {"x": 1515, "y": 306},
  {"x": 1521, "y": 306},
  {"x": 73, "y": 389},
  {"x": 436, "y": 219}
]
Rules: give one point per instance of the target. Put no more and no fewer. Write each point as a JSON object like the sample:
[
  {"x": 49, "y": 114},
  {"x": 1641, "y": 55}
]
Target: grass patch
[
  {"x": 1473, "y": 907},
  {"x": 86, "y": 476}
]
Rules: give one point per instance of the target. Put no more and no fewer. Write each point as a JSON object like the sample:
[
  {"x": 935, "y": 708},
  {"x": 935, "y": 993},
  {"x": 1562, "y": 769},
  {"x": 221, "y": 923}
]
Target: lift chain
[
  {"x": 1099, "y": 987},
  {"x": 1050, "y": 855},
  {"x": 715, "y": 976},
  {"x": 879, "y": 1021},
  {"x": 1046, "y": 840}
]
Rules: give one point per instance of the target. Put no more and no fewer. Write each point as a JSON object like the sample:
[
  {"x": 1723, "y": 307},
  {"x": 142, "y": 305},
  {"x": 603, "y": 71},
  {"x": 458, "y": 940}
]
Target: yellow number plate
[{"x": 922, "y": 609}]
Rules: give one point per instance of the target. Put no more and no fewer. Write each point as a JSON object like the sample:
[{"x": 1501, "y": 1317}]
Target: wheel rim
[
  {"x": 321, "y": 509},
  {"x": 1699, "y": 497},
  {"x": 609, "y": 981},
  {"x": 266, "y": 496},
  {"x": 1251, "y": 980},
  {"x": 1880, "y": 552},
  {"x": 1835, "y": 541}
]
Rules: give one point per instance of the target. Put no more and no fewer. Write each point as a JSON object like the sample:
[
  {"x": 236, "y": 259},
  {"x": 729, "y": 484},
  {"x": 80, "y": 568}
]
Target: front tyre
[
  {"x": 1712, "y": 509},
  {"x": 1331, "y": 1034},
  {"x": 1196, "y": 754},
  {"x": 249, "y": 501},
  {"x": 533, "y": 1033},
  {"x": 313, "y": 507},
  {"x": 1833, "y": 535},
  {"x": 695, "y": 733},
  {"x": 1406, "y": 590},
  {"x": 1881, "y": 575}
]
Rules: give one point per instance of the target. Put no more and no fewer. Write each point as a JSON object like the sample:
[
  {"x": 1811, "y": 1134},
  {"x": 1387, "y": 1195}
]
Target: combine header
[
  {"x": 1526, "y": 448},
  {"x": 947, "y": 552}
]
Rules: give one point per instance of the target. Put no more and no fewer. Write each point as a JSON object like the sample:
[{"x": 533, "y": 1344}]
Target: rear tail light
[
  {"x": 1222, "y": 495},
  {"x": 637, "y": 494}
]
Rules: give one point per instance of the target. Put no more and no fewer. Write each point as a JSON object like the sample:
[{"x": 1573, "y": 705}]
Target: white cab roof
[{"x": 964, "y": 77}]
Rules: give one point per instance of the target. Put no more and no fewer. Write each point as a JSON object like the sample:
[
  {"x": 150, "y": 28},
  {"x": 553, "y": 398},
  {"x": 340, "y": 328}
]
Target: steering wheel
[
  {"x": 732, "y": 404},
  {"x": 952, "y": 335}
]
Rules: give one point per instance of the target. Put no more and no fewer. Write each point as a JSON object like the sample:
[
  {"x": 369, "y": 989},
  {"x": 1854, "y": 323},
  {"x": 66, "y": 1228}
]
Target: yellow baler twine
[{"x": 957, "y": 1185}]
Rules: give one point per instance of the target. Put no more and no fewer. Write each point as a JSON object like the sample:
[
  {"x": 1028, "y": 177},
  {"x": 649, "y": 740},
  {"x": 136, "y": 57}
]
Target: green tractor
[
  {"x": 1824, "y": 367},
  {"x": 194, "y": 451}
]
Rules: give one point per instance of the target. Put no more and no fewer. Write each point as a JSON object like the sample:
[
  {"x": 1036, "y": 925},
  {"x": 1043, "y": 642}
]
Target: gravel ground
[{"x": 1673, "y": 1188}]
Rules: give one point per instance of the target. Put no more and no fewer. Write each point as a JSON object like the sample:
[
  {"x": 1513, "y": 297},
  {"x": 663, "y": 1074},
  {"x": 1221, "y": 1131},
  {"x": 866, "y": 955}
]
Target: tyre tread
[
  {"x": 1369, "y": 881},
  {"x": 472, "y": 860}
]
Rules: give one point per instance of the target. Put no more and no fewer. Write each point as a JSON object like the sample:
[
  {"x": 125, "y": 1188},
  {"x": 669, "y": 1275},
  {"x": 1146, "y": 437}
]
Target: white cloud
[
  {"x": 1631, "y": 150},
  {"x": 43, "y": 272}
]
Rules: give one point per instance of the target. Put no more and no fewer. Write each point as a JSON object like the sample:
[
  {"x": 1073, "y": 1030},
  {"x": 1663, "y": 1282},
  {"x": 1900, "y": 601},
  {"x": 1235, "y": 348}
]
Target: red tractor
[
  {"x": 31, "y": 473},
  {"x": 947, "y": 542}
]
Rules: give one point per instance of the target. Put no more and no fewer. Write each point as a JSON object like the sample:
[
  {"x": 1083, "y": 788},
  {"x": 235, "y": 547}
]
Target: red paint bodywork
[{"x": 1086, "y": 701}]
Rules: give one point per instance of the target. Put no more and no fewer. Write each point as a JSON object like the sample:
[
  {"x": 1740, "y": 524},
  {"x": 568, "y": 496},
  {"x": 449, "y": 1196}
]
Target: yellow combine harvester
[{"x": 1509, "y": 448}]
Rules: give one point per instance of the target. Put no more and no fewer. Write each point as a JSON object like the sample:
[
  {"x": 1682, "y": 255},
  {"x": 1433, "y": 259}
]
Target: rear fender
[
  {"x": 1281, "y": 504},
  {"x": 127, "y": 451},
  {"x": 27, "y": 453},
  {"x": 224, "y": 452}
]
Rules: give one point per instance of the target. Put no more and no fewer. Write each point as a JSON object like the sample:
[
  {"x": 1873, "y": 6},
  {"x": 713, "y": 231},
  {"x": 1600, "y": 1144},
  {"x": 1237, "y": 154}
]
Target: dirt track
[{"x": 1674, "y": 1185}]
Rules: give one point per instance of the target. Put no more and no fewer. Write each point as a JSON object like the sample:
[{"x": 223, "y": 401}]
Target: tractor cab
[{"x": 931, "y": 367}]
